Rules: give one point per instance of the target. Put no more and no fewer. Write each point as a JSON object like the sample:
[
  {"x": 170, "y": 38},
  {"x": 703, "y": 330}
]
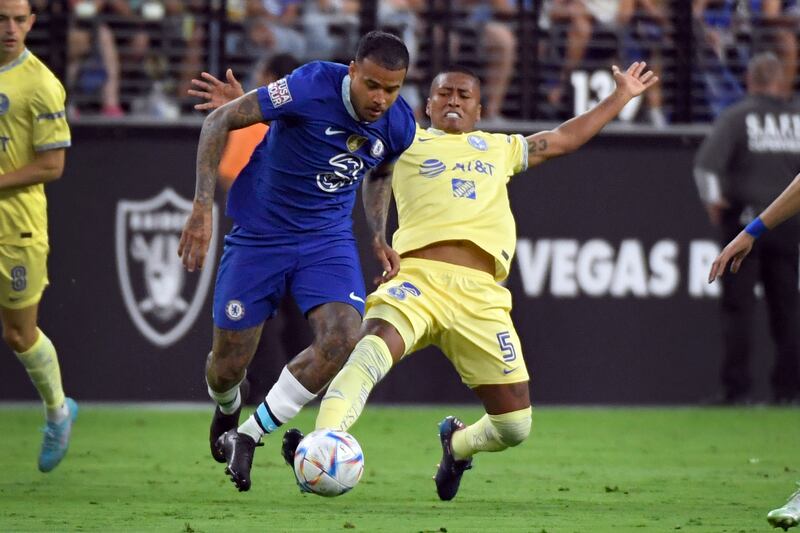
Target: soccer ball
[{"x": 328, "y": 463}]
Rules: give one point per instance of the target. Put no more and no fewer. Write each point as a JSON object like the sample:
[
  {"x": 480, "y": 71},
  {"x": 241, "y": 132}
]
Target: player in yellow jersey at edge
[
  {"x": 33, "y": 137},
  {"x": 456, "y": 239}
]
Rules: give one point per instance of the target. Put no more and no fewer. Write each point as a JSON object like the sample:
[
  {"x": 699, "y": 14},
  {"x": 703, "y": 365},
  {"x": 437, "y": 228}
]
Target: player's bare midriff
[{"x": 462, "y": 253}]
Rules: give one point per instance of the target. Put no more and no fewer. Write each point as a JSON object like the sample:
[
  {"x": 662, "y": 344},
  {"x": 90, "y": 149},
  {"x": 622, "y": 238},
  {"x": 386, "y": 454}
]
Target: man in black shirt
[{"x": 752, "y": 153}]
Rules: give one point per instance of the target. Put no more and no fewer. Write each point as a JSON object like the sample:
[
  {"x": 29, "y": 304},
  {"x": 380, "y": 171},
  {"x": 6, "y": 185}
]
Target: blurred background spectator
[
  {"x": 93, "y": 70},
  {"x": 539, "y": 59},
  {"x": 719, "y": 53},
  {"x": 331, "y": 28},
  {"x": 498, "y": 46},
  {"x": 271, "y": 28},
  {"x": 775, "y": 26}
]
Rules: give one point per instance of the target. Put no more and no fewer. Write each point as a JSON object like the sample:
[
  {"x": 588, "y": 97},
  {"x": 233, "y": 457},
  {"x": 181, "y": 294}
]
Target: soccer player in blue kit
[{"x": 331, "y": 127}]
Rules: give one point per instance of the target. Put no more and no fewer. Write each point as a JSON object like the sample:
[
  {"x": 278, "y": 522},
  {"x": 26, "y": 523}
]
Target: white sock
[
  {"x": 284, "y": 400},
  {"x": 228, "y": 401},
  {"x": 251, "y": 428},
  {"x": 56, "y": 414},
  {"x": 287, "y": 397}
]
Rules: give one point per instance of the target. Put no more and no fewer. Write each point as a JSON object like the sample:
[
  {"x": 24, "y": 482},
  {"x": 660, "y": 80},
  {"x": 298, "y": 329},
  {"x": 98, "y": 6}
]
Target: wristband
[{"x": 756, "y": 228}]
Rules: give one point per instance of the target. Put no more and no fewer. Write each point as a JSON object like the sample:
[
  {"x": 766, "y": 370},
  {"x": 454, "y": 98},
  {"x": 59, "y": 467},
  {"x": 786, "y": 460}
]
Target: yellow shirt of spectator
[
  {"x": 453, "y": 187},
  {"x": 32, "y": 119}
]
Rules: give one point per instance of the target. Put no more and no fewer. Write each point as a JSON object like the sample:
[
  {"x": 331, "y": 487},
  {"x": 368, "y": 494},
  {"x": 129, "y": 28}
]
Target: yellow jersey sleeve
[
  {"x": 517, "y": 153},
  {"x": 454, "y": 187},
  {"x": 49, "y": 116}
]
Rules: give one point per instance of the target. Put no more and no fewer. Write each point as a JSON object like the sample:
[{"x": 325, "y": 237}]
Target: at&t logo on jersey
[
  {"x": 346, "y": 168},
  {"x": 161, "y": 299},
  {"x": 430, "y": 168},
  {"x": 464, "y": 189},
  {"x": 400, "y": 292},
  {"x": 279, "y": 92}
]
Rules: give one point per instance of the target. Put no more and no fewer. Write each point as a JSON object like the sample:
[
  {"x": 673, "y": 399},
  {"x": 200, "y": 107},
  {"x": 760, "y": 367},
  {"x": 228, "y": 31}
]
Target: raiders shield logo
[{"x": 162, "y": 300}]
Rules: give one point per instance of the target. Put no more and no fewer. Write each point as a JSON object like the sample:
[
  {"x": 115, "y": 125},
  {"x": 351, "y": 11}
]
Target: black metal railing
[{"x": 551, "y": 77}]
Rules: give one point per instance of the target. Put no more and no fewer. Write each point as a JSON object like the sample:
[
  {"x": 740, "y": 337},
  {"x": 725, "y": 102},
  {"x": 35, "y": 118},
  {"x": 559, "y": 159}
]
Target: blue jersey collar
[
  {"x": 18, "y": 61},
  {"x": 348, "y": 104}
]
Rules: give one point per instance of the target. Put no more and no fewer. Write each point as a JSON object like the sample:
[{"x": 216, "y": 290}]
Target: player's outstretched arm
[
  {"x": 734, "y": 253},
  {"x": 215, "y": 93},
  {"x": 573, "y": 133},
  {"x": 786, "y": 205},
  {"x": 196, "y": 236},
  {"x": 46, "y": 166},
  {"x": 377, "y": 192}
]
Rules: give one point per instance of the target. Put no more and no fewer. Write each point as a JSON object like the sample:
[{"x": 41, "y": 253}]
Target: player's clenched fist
[{"x": 195, "y": 238}]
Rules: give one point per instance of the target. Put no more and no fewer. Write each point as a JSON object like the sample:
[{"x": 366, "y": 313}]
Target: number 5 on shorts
[{"x": 506, "y": 346}]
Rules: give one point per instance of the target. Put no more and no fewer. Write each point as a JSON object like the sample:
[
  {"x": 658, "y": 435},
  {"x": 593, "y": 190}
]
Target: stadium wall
[{"x": 610, "y": 298}]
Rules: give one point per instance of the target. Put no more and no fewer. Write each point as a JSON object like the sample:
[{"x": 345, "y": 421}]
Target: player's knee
[
  {"x": 512, "y": 428},
  {"x": 372, "y": 358},
  {"x": 18, "y": 339},
  {"x": 337, "y": 343}
]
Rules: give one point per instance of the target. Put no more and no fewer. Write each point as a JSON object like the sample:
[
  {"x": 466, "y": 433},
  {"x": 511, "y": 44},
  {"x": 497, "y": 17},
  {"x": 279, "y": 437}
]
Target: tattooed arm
[
  {"x": 196, "y": 236},
  {"x": 573, "y": 133},
  {"x": 377, "y": 191}
]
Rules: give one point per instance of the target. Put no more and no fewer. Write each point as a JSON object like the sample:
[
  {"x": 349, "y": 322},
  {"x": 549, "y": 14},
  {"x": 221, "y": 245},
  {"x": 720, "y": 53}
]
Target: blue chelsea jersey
[{"x": 304, "y": 174}]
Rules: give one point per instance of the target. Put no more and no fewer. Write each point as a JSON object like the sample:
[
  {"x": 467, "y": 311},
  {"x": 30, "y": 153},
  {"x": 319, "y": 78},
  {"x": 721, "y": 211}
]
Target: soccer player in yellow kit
[
  {"x": 33, "y": 137},
  {"x": 456, "y": 239}
]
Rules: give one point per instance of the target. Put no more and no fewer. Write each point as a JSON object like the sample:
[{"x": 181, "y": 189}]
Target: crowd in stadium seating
[{"x": 137, "y": 57}]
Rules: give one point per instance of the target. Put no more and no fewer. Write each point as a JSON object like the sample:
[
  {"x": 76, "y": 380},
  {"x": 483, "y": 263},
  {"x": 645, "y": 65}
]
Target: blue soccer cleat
[
  {"x": 56, "y": 438},
  {"x": 448, "y": 476}
]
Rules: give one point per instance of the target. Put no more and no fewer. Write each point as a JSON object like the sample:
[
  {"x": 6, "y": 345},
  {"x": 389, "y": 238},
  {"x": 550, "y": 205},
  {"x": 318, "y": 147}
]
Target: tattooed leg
[
  {"x": 335, "y": 327},
  {"x": 230, "y": 356}
]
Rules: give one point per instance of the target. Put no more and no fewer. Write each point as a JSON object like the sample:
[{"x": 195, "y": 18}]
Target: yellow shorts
[
  {"x": 23, "y": 274},
  {"x": 461, "y": 310}
]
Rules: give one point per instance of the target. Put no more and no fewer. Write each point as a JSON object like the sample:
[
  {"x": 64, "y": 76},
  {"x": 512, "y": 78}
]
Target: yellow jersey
[
  {"x": 453, "y": 187},
  {"x": 32, "y": 119}
]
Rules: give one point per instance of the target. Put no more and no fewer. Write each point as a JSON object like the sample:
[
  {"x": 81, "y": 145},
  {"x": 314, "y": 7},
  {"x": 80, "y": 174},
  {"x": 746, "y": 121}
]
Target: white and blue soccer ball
[{"x": 328, "y": 463}]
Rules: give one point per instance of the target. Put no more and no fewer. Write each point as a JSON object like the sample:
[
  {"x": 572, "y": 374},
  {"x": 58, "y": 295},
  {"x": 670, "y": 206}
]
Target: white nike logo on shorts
[
  {"x": 354, "y": 296},
  {"x": 331, "y": 131}
]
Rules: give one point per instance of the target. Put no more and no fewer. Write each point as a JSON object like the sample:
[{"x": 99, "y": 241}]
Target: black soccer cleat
[
  {"x": 448, "y": 476},
  {"x": 220, "y": 423},
  {"x": 291, "y": 439},
  {"x": 238, "y": 449}
]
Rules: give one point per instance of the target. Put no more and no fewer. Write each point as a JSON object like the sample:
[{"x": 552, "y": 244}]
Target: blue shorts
[{"x": 256, "y": 270}]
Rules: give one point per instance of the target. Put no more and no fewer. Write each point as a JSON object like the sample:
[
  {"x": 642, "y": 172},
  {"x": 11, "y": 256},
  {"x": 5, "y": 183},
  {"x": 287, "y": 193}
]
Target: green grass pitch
[{"x": 582, "y": 470}]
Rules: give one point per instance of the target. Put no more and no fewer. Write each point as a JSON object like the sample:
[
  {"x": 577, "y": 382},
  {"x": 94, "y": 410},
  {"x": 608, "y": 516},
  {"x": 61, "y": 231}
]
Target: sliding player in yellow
[
  {"x": 456, "y": 238},
  {"x": 33, "y": 138}
]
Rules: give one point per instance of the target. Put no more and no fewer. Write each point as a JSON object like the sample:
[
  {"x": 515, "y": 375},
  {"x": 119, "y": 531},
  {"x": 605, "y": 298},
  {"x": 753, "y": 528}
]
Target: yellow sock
[
  {"x": 349, "y": 390},
  {"x": 41, "y": 362},
  {"x": 492, "y": 433}
]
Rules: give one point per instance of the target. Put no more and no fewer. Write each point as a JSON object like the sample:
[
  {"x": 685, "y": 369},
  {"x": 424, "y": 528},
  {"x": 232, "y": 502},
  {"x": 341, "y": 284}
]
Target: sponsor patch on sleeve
[
  {"x": 279, "y": 92},
  {"x": 52, "y": 116}
]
